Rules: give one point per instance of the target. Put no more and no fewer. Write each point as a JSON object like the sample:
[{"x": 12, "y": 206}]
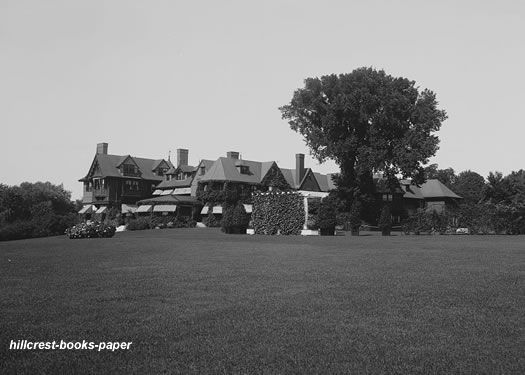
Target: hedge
[{"x": 276, "y": 212}]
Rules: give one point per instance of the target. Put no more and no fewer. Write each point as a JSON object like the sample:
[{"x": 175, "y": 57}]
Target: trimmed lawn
[{"x": 200, "y": 301}]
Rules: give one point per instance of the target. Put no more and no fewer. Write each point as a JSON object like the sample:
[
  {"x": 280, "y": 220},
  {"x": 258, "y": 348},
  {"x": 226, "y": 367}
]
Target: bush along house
[{"x": 119, "y": 181}]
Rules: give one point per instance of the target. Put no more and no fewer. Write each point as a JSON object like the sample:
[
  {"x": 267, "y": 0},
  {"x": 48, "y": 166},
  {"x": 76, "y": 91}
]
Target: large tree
[
  {"x": 367, "y": 121},
  {"x": 470, "y": 186}
]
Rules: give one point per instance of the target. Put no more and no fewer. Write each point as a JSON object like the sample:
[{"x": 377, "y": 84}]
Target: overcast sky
[{"x": 152, "y": 76}]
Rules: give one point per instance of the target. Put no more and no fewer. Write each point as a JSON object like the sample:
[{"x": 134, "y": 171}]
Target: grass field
[{"x": 199, "y": 301}]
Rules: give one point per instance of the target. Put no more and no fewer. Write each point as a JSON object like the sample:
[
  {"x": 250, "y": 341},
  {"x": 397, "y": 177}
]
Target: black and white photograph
[{"x": 262, "y": 187}]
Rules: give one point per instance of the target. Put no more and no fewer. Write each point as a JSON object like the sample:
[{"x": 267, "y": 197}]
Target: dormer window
[
  {"x": 130, "y": 170},
  {"x": 202, "y": 170},
  {"x": 244, "y": 169}
]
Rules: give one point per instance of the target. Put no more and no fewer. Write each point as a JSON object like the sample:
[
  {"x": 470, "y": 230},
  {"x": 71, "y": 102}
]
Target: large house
[
  {"x": 148, "y": 186},
  {"x": 183, "y": 184}
]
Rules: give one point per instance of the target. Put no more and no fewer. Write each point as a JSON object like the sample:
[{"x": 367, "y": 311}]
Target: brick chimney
[
  {"x": 182, "y": 157},
  {"x": 102, "y": 148},
  {"x": 299, "y": 167},
  {"x": 232, "y": 155}
]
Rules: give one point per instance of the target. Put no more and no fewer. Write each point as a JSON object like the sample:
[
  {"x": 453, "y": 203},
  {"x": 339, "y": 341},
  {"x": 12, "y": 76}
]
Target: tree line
[{"x": 35, "y": 210}]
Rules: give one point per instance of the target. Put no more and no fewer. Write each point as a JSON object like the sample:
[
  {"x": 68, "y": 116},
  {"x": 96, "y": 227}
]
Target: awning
[
  {"x": 127, "y": 208},
  {"x": 157, "y": 192},
  {"x": 205, "y": 210},
  {"x": 86, "y": 209},
  {"x": 144, "y": 208},
  {"x": 181, "y": 191},
  {"x": 217, "y": 209},
  {"x": 165, "y": 208},
  {"x": 166, "y": 192},
  {"x": 101, "y": 210},
  {"x": 248, "y": 208}
]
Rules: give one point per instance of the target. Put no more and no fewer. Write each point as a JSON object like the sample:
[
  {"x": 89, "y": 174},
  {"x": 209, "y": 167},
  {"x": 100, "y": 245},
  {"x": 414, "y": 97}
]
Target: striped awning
[
  {"x": 165, "y": 208},
  {"x": 144, "y": 208},
  {"x": 248, "y": 208},
  {"x": 157, "y": 192},
  {"x": 101, "y": 210},
  {"x": 216, "y": 210},
  {"x": 87, "y": 209},
  {"x": 166, "y": 192},
  {"x": 125, "y": 208}
]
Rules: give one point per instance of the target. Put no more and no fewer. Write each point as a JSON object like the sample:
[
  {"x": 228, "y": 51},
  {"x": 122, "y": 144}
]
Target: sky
[{"x": 148, "y": 77}]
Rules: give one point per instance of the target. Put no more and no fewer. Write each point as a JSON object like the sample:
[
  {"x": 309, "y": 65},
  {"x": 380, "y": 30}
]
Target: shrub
[
  {"x": 211, "y": 221},
  {"x": 327, "y": 216},
  {"x": 354, "y": 219},
  {"x": 16, "y": 231},
  {"x": 385, "y": 220},
  {"x": 140, "y": 223},
  {"x": 234, "y": 219},
  {"x": 91, "y": 230}
]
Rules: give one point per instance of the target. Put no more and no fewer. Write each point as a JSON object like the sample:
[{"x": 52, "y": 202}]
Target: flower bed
[{"x": 91, "y": 230}]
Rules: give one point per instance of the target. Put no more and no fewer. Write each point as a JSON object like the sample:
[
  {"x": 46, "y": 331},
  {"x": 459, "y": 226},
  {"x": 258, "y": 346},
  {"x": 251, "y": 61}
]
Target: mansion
[{"x": 138, "y": 185}]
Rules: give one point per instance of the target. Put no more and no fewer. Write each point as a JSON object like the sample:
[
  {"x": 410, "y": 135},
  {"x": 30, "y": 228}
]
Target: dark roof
[
  {"x": 183, "y": 168},
  {"x": 170, "y": 199},
  {"x": 323, "y": 180},
  {"x": 435, "y": 189},
  {"x": 289, "y": 175},
  {"x": 430, "y": 189},
  {"x": 224, "y": 169},
  {"x": 108, "y": 165},
  {"x": 175, "y": 183}
]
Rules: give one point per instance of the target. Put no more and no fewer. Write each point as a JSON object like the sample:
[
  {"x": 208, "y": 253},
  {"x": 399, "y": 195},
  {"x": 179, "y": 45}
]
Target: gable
[
  {"x": 309, "y": 182},
  {"x": 274, "y": 177}
]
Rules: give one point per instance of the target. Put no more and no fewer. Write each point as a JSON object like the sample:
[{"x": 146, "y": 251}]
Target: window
[
  {"x": 130, "y": 170},
  {"x": 387, "y": 197},
  {"x": 131, "y": 185},
  {"x": 203, "y": 170},
  {"x": 244, "y": 169}
]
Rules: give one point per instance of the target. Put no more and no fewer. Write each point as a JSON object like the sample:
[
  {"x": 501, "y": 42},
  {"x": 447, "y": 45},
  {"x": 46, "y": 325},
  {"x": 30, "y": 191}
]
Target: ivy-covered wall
[
  {"x": 274, "y": 178},
  {"x": 278, "y": 212},
  {"x": 211, "y": 193}
]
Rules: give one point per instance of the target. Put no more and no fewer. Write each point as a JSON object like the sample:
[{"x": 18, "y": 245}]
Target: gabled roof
[
  {"x": 325, "y": 181},
  {"x": 108, "y": 166},
  {"x": 289, "y": 175}
]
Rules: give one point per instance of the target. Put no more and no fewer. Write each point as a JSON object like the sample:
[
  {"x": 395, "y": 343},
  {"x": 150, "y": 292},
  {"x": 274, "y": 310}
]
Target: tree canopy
[
  {"x": 470, "y": 186},
  {"x": 367, "y": 121}
]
